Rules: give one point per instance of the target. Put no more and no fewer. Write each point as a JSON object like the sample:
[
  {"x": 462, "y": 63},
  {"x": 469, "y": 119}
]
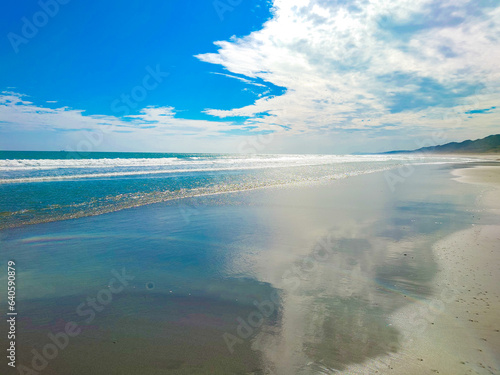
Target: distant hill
[{"x": 488, "y": 145}]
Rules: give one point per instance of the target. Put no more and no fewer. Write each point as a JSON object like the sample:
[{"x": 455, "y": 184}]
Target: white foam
[
  {"x": 28, "y": 170},
  {"x": 38, "y": 164}
]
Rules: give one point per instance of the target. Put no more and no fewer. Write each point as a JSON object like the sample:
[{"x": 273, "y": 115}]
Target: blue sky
[{"x": 291, "y": 76}]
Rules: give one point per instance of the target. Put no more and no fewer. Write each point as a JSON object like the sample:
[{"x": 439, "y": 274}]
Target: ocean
[{"x": 37, "y": 186}]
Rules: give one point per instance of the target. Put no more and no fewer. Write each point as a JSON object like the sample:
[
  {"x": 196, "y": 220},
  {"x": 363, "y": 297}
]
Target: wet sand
[
  {"x": 458, "y": 330},
  {"x": 351, "y": 261}
]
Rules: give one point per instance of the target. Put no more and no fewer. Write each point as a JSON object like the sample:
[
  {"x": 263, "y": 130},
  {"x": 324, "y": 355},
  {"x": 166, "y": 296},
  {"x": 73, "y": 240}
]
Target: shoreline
[
  {"x": 458, "y": 330},
  {"x": 174, "y": 199},
  {"x": 62, "y": 208},
  {"x": 342, "y": 308}
]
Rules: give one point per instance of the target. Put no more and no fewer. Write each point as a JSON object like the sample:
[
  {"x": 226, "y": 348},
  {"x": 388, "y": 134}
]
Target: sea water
[{"x": 37, "y": 187}]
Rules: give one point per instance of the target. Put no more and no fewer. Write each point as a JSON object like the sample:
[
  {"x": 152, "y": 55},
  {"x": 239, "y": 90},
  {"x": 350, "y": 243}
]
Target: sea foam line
[
  {"x": 44, "y": 164},
  {"x": 187, "y": 170},
  {"x": 138, "y": 173}
]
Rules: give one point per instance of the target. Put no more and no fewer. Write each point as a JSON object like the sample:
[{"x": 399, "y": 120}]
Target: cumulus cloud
[{"x": 370, "y": 64}]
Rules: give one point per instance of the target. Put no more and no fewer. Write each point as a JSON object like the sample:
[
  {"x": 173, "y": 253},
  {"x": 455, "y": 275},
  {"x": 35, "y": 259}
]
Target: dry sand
[{"x": 458, "y": 331}]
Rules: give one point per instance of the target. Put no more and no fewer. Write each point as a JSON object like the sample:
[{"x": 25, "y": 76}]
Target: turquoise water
[{"x": 38, "y": 187}]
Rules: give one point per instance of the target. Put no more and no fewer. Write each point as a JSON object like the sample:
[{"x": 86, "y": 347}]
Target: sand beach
[
  {"x": 351, "y": 275},
  {"x": 457, "y": 330}
]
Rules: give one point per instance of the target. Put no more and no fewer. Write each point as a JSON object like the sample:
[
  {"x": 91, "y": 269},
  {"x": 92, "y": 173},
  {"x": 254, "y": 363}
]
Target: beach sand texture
[{"x": 457, "y": 331}]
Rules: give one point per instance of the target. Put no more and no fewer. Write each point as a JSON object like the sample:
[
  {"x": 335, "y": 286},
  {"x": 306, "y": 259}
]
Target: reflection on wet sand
[
  {"x": 337, "y": 293},
  {"x": 335, "y": 306}
]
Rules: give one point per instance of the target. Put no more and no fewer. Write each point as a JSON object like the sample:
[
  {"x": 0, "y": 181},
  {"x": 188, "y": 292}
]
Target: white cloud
[
  {"x": 240, "y": 79},
  {"x": 153, "y": 127},
  {"x": 25, "y": 115},
  {"x": 331, "y": 57}
]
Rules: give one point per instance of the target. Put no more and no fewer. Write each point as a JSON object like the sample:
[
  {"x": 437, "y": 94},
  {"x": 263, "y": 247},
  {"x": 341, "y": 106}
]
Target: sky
[{"x": 280, "y": 76}]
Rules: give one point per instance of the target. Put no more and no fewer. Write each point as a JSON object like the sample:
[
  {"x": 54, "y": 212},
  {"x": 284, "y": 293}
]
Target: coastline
[
  {"x": 457, "y": 331},
  {"x": 343, "y": 275}
]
